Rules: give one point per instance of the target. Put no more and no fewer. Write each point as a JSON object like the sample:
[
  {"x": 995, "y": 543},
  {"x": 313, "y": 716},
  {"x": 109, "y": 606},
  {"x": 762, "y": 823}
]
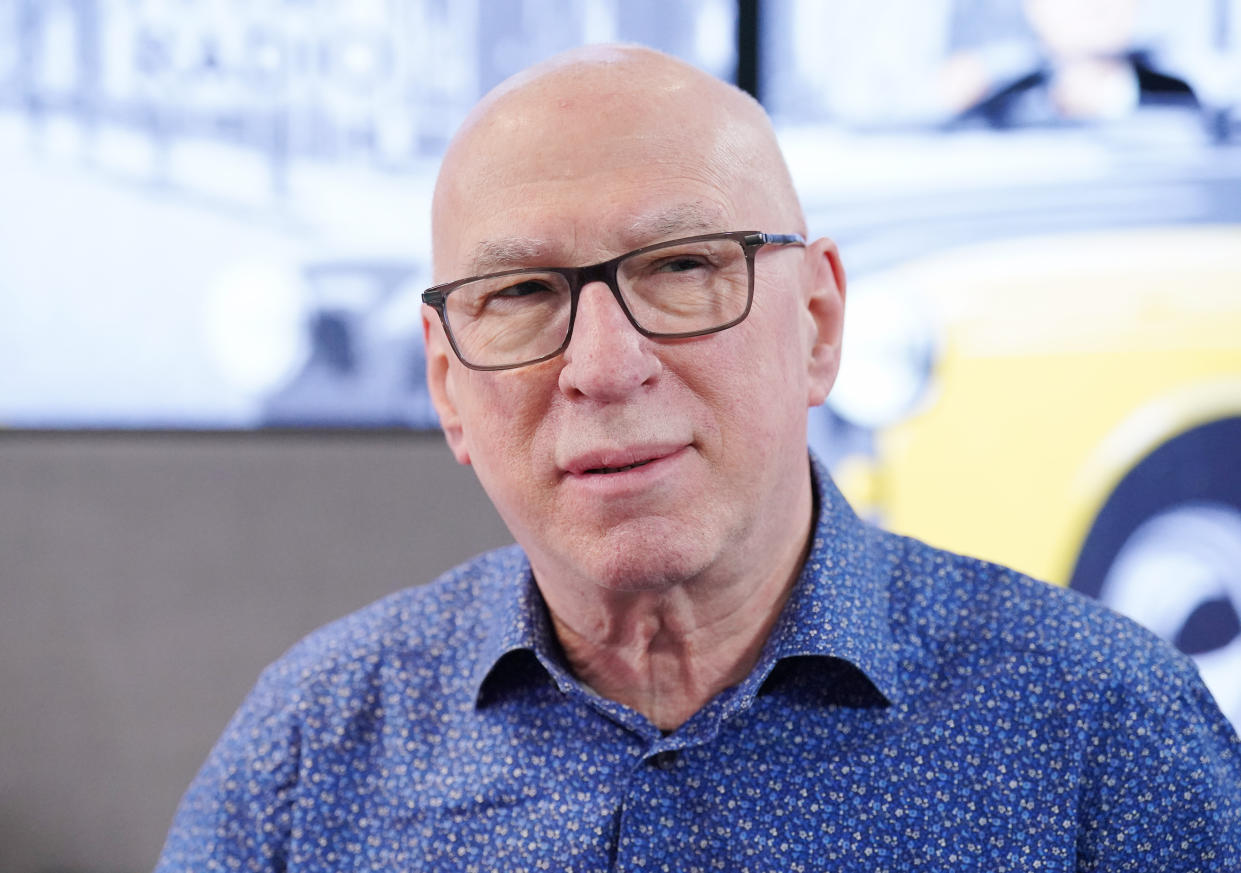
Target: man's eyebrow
[
  {"x": 682, "y": 218},
  {"x": 504, "y": 253}
]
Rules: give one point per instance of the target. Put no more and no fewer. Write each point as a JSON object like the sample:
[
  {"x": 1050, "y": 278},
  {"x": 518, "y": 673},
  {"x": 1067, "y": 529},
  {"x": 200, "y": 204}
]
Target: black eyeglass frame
[{"x": 606, "y": 271}]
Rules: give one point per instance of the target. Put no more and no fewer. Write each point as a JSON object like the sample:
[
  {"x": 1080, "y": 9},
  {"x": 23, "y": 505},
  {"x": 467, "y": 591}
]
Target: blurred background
[{"x": 214, "y": 227}]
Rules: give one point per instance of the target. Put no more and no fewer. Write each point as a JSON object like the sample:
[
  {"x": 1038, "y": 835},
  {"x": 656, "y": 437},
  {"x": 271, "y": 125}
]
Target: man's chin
[{"x": 640, "y": 558}]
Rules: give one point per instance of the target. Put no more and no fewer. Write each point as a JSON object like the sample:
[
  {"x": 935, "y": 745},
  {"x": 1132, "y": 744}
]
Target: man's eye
[
  {"x": 521, "y": 289},
  {"x": 681, "y": 264}
]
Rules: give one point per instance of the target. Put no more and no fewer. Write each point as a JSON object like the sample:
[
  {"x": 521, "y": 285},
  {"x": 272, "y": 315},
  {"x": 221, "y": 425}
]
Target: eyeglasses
[{"x": 671, "y": 290}]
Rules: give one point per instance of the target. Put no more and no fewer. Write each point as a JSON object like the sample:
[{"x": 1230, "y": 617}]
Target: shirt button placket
[{"x": 643, "y": 837}]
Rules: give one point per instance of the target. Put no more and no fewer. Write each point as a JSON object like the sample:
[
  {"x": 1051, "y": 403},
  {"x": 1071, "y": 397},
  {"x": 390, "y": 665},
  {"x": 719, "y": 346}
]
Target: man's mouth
[
  {"x": 600, "y": 470},
  {"x": 609, "y": 462}
]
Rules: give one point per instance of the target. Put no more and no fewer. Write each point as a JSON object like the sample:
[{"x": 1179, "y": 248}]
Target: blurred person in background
[{"x": 1089, "y": 66}]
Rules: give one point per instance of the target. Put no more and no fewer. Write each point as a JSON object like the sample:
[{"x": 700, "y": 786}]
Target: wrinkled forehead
[{"x": 592, "y": 200}]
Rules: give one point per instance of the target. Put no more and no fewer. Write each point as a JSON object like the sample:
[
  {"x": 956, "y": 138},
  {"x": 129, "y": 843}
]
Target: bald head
[{"x": 627, "y": 114}]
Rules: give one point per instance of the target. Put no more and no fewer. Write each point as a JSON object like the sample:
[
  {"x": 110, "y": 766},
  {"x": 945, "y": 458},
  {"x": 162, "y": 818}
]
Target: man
[{"x": 696, "y": 658}]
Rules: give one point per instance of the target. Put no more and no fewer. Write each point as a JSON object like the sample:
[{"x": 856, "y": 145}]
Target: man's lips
[
  {"x": 617, "y": 469},
  {"x": 601, "y": 462}
]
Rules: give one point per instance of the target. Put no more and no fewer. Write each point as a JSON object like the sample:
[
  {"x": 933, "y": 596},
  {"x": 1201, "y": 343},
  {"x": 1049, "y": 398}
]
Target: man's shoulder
[
  {"x": 956, "y": 610},
  {"x": 439, "y": 624}
]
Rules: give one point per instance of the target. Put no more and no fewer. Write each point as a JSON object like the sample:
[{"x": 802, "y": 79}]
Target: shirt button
[{"x": 664, "y": 760}]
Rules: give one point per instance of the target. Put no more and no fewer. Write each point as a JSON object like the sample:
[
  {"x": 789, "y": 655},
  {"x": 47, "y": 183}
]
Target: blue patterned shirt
[{"x": 911, "y": 710}]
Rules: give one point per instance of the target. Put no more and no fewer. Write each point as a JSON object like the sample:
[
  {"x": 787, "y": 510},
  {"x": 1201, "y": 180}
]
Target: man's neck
[{"x": 666, "y": 653}]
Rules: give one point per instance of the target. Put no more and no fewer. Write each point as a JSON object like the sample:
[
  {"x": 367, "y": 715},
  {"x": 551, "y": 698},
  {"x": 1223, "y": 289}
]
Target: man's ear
[
  {"x": 440, "y": 383},
  {"x": 825, "y": 311}
]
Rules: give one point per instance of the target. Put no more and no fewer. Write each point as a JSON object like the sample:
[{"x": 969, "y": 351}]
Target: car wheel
[{"x": 1166, "y": 551}]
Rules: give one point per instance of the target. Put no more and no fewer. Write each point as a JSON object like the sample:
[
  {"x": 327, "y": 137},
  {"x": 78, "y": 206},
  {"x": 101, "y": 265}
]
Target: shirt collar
[
  {"x": 517, "y": 622},
  {"x": 838, "y": 608}
]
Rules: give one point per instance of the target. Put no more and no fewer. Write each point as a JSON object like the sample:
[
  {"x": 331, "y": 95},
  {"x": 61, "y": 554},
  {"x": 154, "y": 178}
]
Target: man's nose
[{"x": 607, "y": 359}]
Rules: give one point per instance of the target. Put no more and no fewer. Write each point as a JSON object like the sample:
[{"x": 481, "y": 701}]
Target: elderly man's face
[{"x": 630, "y": 462}]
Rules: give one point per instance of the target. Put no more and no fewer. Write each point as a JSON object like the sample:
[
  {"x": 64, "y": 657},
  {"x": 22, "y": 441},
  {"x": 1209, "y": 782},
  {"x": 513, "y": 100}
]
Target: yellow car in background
[{"x": 1069, "y": 405}]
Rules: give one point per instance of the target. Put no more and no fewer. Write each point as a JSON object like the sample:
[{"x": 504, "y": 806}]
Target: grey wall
[{"x": 147, "y": 578}]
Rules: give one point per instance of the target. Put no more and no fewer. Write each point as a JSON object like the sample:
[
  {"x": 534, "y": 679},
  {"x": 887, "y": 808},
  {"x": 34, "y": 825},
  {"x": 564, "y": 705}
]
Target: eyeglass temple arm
[{"x": 776, "y": 239}]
